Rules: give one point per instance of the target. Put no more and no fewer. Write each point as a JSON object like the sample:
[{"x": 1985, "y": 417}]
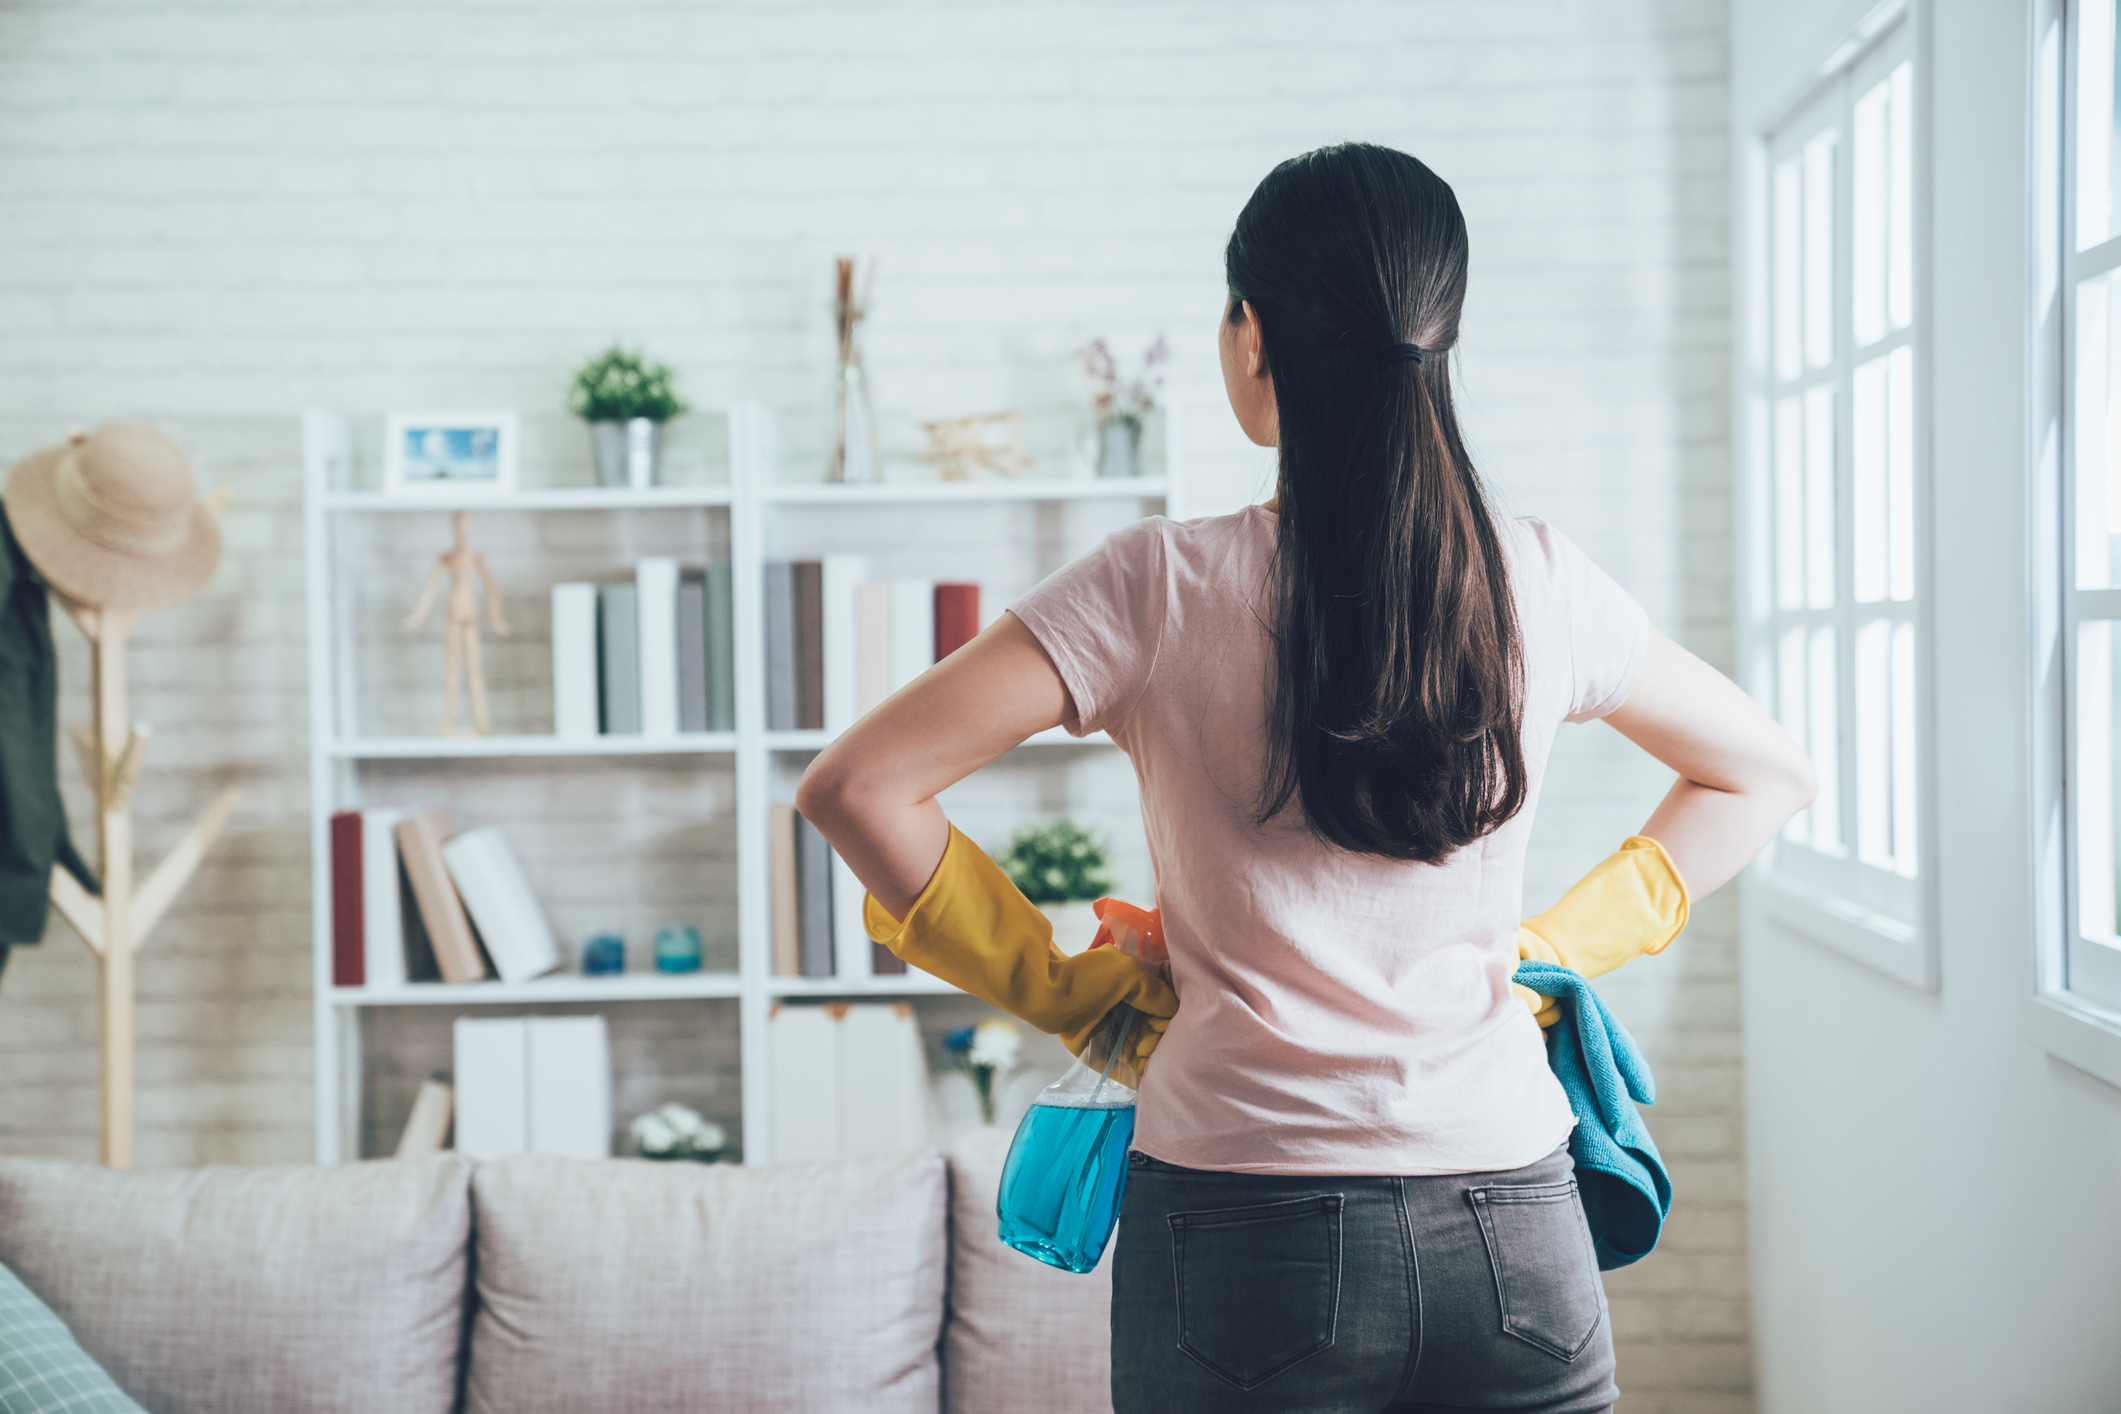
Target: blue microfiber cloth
[{"x": 1626, "y": 1192}]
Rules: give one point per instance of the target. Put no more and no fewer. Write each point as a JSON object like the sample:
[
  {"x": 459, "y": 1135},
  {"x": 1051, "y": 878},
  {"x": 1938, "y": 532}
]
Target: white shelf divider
[{"x": 336, "y": 753}]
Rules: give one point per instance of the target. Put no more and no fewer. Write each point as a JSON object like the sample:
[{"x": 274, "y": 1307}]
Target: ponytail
[{"x": 1395, "y": 701}]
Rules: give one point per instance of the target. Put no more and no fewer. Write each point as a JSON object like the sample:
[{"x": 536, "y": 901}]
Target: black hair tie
[{"x": 1400, "y": 353}]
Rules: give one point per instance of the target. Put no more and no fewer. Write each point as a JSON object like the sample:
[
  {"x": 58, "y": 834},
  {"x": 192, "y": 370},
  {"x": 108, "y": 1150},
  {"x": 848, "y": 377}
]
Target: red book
[
  {"x": 956, "y": 617},
  {"x": 348, "y": 938}
]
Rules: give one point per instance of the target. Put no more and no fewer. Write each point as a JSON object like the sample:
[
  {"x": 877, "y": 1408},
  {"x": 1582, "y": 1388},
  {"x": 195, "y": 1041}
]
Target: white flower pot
[{"x": 1074, "y": 925}]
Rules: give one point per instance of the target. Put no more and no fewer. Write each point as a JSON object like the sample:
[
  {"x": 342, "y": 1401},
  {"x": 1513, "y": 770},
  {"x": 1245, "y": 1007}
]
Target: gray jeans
[{"x": 1254, "y": 1292}]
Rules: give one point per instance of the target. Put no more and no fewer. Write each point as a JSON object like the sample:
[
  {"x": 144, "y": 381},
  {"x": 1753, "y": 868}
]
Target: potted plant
[
  {"x": 625, "y": 400},
  {"x": 676, "y": 1132},
  {"x": 1122, "y": 403},
  {"x": 1060, "y": 866}
]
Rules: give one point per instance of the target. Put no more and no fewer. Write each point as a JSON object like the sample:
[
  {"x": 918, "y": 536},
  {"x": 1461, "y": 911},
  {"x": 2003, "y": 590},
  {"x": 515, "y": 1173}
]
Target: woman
[{"x": 1352, "y": 1187}]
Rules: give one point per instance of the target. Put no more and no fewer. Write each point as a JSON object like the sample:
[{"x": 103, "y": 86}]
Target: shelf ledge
[
  {"x": 818, "y": 741},
  {"x": 385, "y": 748},
  {"x": 869, "y": 493},
  {"x": 542, "y": 498},
  {"x": 559, "y": 987}
]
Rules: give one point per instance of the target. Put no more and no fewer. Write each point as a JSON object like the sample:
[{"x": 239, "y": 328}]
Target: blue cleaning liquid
[{"x": 1061, "y": 1187}]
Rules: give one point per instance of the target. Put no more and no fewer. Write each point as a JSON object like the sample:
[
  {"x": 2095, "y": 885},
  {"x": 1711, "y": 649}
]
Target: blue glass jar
[
  {"x": 678, "y": 949},
  {"x": 604, "y": 955}
]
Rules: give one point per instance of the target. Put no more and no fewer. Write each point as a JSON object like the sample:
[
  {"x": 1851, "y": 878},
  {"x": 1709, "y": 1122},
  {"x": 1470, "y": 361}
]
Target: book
[
  {"x": 427, "y": 1127},
  {"x": 956, "y": 617},
  {"x": 813, "y": 911},
  {"x": 618, "y": 658},
  {"x": 882, "y": 1080},
  {"x": 787, "y": 926},
  {"x": 872, "y": 645},
  {"x": 721, "y": 650},
  {"x": 568, "y": 1086},
  {"x": 804, "y": 1090},
  {"x": 851, "y": 949},
  {"x": 501, "y": 905},
  {"x": 692, "y": 651},
  {"x": 838, "y": 578},
  {"x": 420, "y": 964},
  {"x": 809, "y": 644},
  {"x": 575, "y": 709},
  {"x": 655, "y": 617},
  {"x": 349, "y": 938},
  {"x": 420, "y": 840},
  {"x": 492, "y": 1086},
  {"x": 781, "y": 711},
  {"x": 912, "y": 629},
  {"x": 382, "y": 895}
]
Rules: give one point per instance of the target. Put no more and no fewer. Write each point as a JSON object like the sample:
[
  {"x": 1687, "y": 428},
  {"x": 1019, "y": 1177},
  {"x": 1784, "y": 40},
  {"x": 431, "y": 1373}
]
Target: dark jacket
[{"x": 32, "y": 821}]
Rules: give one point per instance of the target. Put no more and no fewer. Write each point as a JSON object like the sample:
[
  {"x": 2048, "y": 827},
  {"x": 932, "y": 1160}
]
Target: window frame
[
  {"x": 1886, "y": 922},
  {"x": 2070, "y": 1025}
]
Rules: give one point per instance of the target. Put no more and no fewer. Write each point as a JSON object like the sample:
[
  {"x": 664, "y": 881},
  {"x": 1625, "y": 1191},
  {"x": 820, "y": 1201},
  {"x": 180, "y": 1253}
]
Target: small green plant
[
  {"x": 617, "y": 386},
  {"x": 1058, "y": 862}
]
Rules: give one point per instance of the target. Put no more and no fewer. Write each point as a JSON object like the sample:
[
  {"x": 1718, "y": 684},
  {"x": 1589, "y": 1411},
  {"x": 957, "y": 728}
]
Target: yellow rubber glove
[
  {"x": 1633, "y": 903},
  {"x": 973, "y": 928}
]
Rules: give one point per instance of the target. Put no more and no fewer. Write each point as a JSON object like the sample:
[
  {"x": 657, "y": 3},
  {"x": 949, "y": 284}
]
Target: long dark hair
[{"x": 1398, "y": 680}]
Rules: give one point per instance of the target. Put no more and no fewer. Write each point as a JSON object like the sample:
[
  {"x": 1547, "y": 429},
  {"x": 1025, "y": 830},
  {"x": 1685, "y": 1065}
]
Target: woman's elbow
[{"x": 818, "y": 793}]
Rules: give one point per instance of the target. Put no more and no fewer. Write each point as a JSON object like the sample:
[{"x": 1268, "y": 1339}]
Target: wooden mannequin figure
[{"x": 458, "y": 565}]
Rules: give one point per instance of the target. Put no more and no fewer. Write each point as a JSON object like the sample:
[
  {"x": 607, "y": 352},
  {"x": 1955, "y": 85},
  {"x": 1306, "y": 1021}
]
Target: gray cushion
[
  {"x": 629, "y": 1287},
  {"x": 43, "y": 1369},
  {"x": 252, "y": 1290},
  {"x": 1021, "y": 1336}
]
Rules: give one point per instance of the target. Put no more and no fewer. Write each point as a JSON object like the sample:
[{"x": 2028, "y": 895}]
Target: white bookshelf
[{"x": 342, "y": 756}]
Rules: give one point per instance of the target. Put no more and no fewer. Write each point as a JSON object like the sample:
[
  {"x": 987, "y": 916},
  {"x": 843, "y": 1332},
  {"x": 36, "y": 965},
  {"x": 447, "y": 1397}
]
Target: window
[
  {"x": 1839, "y": 613},
  {"x": 2090, "y": 504}
]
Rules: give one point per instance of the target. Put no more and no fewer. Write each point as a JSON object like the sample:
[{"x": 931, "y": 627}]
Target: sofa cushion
[
  {"x": 629, "y": 1287},
  {"x": 43, "y": 1370},
  {"x": 1020, "y": 1335},
  {"x": 252, "y": 1290}
]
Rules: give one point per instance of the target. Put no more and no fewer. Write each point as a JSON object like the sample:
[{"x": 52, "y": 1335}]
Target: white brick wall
[{"x": 216, "y": 214}]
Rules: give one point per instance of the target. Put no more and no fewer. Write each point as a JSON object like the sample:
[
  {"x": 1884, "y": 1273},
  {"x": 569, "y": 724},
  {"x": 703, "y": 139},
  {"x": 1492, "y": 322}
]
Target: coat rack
[{"x": 115, "y": 924}]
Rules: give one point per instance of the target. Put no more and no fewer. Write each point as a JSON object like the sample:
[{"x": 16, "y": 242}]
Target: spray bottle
[{"x": 1067, "y": 1166}]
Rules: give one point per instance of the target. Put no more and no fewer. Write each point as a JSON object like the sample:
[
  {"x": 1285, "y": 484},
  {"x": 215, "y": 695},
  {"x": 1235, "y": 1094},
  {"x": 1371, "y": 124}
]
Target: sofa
[{"x": 619, "y": 1286}]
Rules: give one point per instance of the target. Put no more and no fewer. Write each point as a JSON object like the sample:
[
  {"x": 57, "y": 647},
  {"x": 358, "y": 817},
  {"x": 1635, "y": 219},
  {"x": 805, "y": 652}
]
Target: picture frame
[{"x": 451, "y": 453}]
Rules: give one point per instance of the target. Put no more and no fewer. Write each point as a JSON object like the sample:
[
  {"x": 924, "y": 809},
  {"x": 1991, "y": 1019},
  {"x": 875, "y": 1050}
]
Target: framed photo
[{"x": 450, "y": 453}]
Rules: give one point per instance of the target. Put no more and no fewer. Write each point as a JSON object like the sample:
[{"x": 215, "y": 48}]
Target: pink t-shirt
[{"x": 1339, "y": 1013}]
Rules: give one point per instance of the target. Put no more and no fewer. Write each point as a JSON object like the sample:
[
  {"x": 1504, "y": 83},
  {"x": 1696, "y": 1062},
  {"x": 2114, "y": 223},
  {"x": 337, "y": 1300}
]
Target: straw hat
[{"x": 110, "y": 519}]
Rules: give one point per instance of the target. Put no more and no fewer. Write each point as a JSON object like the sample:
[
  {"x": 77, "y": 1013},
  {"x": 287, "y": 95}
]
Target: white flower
[
  {"x": 995, "y": 1043},
  {"x": 654, "y": 1135}
]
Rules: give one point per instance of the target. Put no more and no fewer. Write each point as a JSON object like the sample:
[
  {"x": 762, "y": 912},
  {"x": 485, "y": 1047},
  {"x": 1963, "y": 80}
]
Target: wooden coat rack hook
[{"x": 116, "y": 923}]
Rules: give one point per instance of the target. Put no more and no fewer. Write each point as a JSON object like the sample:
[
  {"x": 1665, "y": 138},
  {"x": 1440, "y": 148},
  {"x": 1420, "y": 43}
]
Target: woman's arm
[
  {"x": 872, "y": 792},
  {"x": 1740, "y": 776}
]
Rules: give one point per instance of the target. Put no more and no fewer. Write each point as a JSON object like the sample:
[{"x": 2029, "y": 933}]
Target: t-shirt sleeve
[
  {"x": 1608, "y": 630},
  {"x": 1101, "y": 621}
]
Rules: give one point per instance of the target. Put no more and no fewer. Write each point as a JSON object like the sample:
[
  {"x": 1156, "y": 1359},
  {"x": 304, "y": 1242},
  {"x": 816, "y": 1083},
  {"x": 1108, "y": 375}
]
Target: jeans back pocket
[
  {"x": 1259, "y": 1286},
  {"x": 1546, "y": 1271}
]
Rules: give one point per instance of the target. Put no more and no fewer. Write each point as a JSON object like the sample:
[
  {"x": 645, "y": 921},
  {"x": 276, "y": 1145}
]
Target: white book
[
  {"x": 504, "y": 910},
  {"x": 570, "y": 1087},
  {"x": 574, "y": 660},
  {"x": 382, "y": 903},
  {"x": 427, "y": 1127},
  {"x": 912, "y": 629},
  {"x": 804, "y": 1041},
  {"x": 883, "y": 1082},
  {"x": 492, "y": 1085},
  {"x": 850, "y": 937},
  {"x": 656, "y": 579},
  {"x": 838, "y": 579},
  {"x": 872, "y": 645}
]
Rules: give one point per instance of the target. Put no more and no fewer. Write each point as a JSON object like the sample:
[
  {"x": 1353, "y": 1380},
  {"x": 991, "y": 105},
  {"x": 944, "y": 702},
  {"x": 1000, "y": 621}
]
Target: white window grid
[
  {"x": 2089, "y": 502},
  {"x": 1840, "y": 606}
]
